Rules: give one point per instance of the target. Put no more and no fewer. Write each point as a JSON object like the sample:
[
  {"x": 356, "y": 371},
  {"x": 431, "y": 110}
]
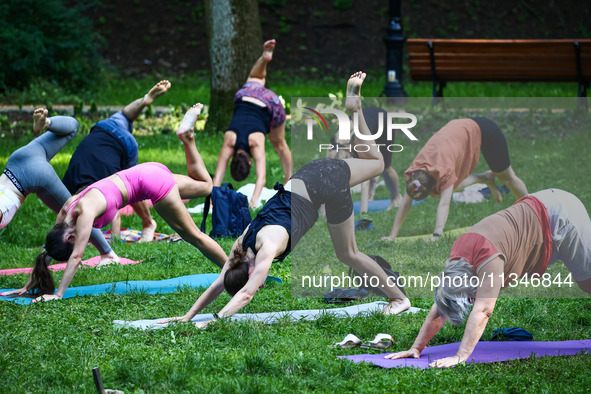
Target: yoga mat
[
  {"x": 447, "y": 233},
  {"x": 485, "y": 352},
  {"x": 129, "y": 235},
  {"x": 271, "y": 317},
  {"x": 377, "y": 205},
  {"x": 147, "y": 286},
  {"x": 92, "y": 262}
]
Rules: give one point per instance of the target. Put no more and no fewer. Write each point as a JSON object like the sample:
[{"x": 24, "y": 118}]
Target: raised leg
[
  {"x": 345, "y": 246},
  {"x": 198, "y": 183},
  {"x": 488, "y": 178},
  {"x": 370, "y": 162},
  {"x": 509, "y": 178},
  {"x": 174, "y": 212},
  {"x": 258, "y": 72},
  {"x": 133, "y": 110}
]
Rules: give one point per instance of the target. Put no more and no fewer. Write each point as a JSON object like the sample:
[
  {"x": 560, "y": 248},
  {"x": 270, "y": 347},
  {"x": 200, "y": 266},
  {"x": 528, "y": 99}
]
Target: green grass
[
  {"x": 194, "y": 87},
  {"x": 52, "y": 347}
]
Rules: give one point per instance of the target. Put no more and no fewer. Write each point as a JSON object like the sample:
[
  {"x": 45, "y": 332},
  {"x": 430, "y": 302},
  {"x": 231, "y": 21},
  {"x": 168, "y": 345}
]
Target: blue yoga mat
[
  {"x": 145, "y": 286},
  {"x": 378, "y": 205}
]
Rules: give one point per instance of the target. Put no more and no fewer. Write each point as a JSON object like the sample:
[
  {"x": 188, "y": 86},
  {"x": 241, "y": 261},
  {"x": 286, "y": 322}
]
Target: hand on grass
[
  {"x": 432, "y": 239},
  {"x": 47, "y": 297},
  {"x": 410, "y": 353},
  {"x": 252, "y": 204},
  {"x": 388, "y": 238},
  {"x": 173, "y": 319},
  {"x": 14, "y": 292},
  {"x": 202, "y": 324},
  {"x": 446, "y": 362}
]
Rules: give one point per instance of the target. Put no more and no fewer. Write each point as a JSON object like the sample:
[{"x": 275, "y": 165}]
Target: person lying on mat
[
  {"x": 28, "y": 172},
  {"x": 272, "y": 234},
  {"x": 257, "y": 112},
  {"x": 109, "y": 148},
  {"x": 96, "y": 206},
  {"x": 522, "y": 240},
  {"x": 446, "y": 163}
]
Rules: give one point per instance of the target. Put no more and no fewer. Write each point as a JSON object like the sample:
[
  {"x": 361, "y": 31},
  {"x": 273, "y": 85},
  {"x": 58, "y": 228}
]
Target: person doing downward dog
[
  {"x": 28, "y": 172},
  {"x": 109, "y": 148},
  {"x": 257, "y": 112},
  {"x": 98, "y": 204},
  {"x": 446, "y": 163},
  {"x": 522, "y": 240},
  {"x": 288, "y": 215}
]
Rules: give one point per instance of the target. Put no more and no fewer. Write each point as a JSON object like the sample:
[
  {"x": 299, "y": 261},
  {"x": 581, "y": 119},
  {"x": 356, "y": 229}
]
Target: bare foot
[
  {"x": 396, "y": 306},
  {"x": 158, "y": 90},
  {"x": 489, "y": 179},
  {"x": 395, "y": 203},
  {"x": 185, "y": 130},
  {"x": 148, "y": 232},
  {"x": 108, "y": 259},
  {"x": 268, "y": 48},
  {"x": 40, "y": 121},
  {"x": 353, "y": 102}
]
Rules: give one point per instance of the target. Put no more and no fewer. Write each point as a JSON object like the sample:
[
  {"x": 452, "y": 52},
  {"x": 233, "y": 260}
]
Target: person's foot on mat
[
  {"x": 396, "y": 306},
  {"x": 148, "y": 232}
]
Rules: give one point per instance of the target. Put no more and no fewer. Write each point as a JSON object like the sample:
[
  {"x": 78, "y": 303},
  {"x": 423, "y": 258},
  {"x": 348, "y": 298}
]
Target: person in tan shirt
[
  {"x": 446, "y": 163},
  {"x": 520, "y": 241}
]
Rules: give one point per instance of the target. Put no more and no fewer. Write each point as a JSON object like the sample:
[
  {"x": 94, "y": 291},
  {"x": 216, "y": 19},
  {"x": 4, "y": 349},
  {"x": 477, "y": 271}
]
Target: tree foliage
[{"x": 46, "y": 39}]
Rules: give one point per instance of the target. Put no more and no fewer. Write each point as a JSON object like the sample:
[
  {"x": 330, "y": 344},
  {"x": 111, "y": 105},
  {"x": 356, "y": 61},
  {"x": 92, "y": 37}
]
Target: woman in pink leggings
[{"x": 98, "y": 204}]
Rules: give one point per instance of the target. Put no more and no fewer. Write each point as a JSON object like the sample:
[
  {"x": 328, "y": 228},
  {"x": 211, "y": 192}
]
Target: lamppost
[{"x": 394, "y": 41}]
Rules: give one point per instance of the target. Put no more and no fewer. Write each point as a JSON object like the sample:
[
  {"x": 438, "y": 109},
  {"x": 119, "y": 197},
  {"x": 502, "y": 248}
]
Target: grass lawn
[{"x": 52, "y": 347}]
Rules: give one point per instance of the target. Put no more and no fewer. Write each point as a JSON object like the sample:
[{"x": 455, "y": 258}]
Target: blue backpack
[{"x": 230, "y": 214}]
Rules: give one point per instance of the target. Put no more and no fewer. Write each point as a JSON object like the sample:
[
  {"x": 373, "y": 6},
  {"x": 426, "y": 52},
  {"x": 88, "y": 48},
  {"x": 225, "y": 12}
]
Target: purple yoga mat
[{"x": 485, "y": 352}]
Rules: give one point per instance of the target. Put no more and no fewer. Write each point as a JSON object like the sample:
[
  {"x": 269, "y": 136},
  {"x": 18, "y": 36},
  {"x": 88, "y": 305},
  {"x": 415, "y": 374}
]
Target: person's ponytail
[{"x": 41, "y": 279}]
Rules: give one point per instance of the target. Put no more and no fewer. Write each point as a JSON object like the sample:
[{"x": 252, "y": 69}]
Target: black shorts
[
  {"x": 327, "y": 182},
  {"x": 494, "y": 146},
  {"x": 249, "y": 118}
]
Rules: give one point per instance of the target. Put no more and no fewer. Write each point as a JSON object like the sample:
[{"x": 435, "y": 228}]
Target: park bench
[{"x": 448, "y": 60}]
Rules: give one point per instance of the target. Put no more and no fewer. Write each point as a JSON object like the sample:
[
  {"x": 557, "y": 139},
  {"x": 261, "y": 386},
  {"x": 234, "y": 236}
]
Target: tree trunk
[{"x": 235, "y": 42}]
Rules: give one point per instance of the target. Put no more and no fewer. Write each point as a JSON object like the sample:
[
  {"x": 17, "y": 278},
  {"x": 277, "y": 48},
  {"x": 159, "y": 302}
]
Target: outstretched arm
[
  {"x": 403, "y": 211},
  {"x": 442, "y": 211},
  {"x": 260, "y": 164},
  {"x": 433, "y": 323},
  {"x": 83, "y": 229},
  {"x": 277, "y": 138},
  {"x": 486, "y": 298},
  {"x": 223, "y": 160}
]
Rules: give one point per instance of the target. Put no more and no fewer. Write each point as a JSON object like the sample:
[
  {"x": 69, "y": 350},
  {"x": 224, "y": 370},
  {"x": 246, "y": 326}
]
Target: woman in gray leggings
[{"x": 28, "y": 171}]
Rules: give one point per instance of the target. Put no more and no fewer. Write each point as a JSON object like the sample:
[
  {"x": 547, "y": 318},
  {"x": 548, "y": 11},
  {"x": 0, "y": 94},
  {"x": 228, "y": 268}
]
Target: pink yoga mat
[
  {"x": 93, "y": 262},
  {"x": 485, "y": 352}
]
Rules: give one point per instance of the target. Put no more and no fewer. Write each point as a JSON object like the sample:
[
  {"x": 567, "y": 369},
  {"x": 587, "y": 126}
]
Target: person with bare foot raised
[
  {"x": 98, "y": 204},
  {"x": 257, "y": 112},
  {"x": 28, "y": 172},
  {"x": 110, "y": 147},
  {"x": 288, "y": 215},
  {"x": 446, "y": 163}
]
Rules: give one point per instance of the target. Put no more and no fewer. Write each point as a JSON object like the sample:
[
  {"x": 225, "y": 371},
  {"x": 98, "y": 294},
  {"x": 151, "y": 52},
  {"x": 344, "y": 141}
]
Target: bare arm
[
  {"x": 443, "y": 210},
  {"x": 486, "y": 298},
  {"x": 263, "y": 261},
  {"x": 83, "y": 229},
  {"x": 277, "y": 138},
  {"x": 260, "y": 162},
  {"x": 403, "y": 211},
  {"x": 220, "y": 170},
  {"x": 433, "y": 323}
]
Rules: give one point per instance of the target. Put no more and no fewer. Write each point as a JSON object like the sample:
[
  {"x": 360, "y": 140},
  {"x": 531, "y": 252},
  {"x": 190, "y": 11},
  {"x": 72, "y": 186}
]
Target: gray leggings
[{"x": 30, "y": 165}]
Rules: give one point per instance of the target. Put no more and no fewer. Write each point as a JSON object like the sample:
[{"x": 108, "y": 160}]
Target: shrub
[{"x": 43, "y": 39}]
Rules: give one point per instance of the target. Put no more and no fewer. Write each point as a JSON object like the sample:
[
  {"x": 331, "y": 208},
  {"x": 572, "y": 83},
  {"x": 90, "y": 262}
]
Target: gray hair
[{"x": 455, "y": 290}]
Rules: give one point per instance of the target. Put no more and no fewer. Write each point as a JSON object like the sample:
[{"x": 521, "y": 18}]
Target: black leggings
[
  {"x": 327, "y": 182},
  {"x": 494, "y": 146}
]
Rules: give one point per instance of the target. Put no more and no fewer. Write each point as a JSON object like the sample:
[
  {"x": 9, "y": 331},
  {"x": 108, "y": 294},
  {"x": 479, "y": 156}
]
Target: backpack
[{"x": 230, "y": 214}]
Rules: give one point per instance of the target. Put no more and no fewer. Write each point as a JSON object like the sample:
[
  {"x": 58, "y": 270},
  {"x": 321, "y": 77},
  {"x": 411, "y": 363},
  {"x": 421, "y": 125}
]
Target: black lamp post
[{"x": 394, "y": 41}]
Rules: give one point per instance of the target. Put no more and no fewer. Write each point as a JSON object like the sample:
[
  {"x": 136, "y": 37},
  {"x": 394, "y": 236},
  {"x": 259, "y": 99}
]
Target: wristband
[
  {"x": 437, "y": 235},
  {"x": 216, "y": 316}
]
